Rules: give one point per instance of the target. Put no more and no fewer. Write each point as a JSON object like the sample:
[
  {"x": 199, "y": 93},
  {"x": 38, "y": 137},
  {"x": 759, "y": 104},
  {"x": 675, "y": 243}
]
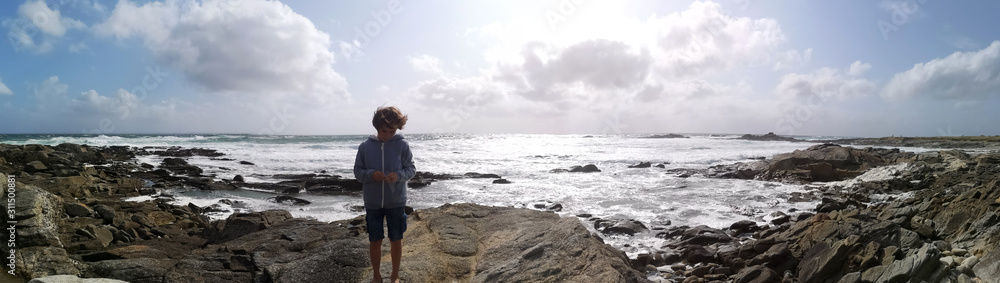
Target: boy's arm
[
  {"x": 409, "y": 170},
  {"x": 361, "y": 173}
]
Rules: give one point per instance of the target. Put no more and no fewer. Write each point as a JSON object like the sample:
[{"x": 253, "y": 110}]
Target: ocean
[{"x": 651, "y": 195}]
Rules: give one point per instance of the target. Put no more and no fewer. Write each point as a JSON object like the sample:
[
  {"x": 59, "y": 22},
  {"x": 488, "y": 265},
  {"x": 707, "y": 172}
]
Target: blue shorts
[{"x": 395, "y": 220}]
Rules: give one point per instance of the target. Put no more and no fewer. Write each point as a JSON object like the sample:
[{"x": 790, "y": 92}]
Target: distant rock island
[
  {"x": 667, "y": 136},
  {"x": 768, "y": 137}
]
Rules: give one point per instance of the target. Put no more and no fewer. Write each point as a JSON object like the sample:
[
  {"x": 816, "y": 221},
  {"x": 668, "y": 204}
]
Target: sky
[{"x": 832, "y": 68}]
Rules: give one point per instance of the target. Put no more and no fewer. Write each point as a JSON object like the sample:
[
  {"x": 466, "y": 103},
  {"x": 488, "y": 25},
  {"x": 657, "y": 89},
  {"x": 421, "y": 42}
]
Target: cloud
[
  {"x": 827, "y": 83},
  {"x": 959, "y": 76},
  {"x": 857, "y": 68},
  {"x": 78, "y": 47},
  {"x": 704, "y": 39},
  {"x": 792, "y": 59},
  {"x": 38, "y": 27},
  {"x": 4, "y": 89},
  {"x": 382, "y": 89},
  {"x": 257, "y": 47},
  {"x": 426, "y": 64},
  {"x": 547, "y": 74}
]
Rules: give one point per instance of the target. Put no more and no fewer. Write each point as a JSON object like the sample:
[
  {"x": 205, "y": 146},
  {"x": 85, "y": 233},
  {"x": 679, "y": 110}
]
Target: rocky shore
[
  {"x": 898, "y": 217},
  {"x": 971, "y": 142},
  {"x": 72, "y": 222}
]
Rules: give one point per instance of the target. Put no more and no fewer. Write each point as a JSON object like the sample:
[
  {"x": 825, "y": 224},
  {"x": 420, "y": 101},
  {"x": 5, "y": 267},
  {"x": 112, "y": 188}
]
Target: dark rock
[
  {"x": 238, "y": 178},
  {"x": 247, "y": 163},
  {"x": 77, "y": 209},
  {"x": 698, "y": 254},
  {"x": 475, "y": 175},
  {"x": 137, "y": 270},
  {"x": 501, "y": 181},
  {"x": 35, "y": 166},
  {"x": 743, "y": 227},
  {"x": 641, "y": 165},
  {"x": 767, "y": 137},
  {"x": 620, "y": 226},
  {"x": 756, "y": 274},
  {"x": 822, "y": 261},
  {"x": 589, "y": 168},
  {"x": 667, "y": 136},
  {"x": 289, "y": 200},
  {"x": 106, "y": 212},
  {"x": 240, "y": 224}
]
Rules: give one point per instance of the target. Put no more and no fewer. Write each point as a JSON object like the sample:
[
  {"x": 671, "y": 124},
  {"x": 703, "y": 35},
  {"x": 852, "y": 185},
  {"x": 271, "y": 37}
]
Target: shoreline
[{"x": 707, "y": 253}]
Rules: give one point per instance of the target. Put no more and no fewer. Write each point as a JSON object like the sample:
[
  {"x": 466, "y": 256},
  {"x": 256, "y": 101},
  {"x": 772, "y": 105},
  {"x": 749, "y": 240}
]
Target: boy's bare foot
[{"x": 395, "y": 280}]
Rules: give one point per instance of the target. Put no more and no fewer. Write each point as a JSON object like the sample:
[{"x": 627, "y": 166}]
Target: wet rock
[
  {"x": 501, "y": 181},
  {"x": 743, "y": 227},
  {"x": 667, "y": 136},
  {"x": 247, "y": 163},
  {"x": 641, "y": 165},
  {"x": 475, "y": 175},
  {"x": 589, "y": 168},
  {"x": 289, "y": 200},
  {"x": 238, "y": 179},
  {"x": 620, "y": 226}
]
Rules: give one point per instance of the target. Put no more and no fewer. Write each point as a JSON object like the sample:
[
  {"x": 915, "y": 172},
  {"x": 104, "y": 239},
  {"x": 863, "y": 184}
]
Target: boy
[{"x": 383, "y": 166}]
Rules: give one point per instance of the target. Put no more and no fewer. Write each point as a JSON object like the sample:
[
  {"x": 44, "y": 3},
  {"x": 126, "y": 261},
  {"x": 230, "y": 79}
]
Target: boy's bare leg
[
  {"x": 375, "y": 254},
  {"x": 396, "y": 248}
]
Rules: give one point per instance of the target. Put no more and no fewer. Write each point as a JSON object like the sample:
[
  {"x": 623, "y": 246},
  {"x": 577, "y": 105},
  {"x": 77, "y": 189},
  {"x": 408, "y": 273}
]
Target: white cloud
[
  {"x": 4, "y": 89},
  {"x": 792, "y": 59},
  {"x": 256, "y": 47},
  {"x": 78, "y": 47},
  {"x": 547, "y": 74},
  {"x": 426, "y": 64},
  {"x": 827, "y": 83},
  {"x": 857, "y": 68},
  {"x": 959, "y": 76},
  {"x": 382, "y": 89},
  {"x": 38, "y": 27}
]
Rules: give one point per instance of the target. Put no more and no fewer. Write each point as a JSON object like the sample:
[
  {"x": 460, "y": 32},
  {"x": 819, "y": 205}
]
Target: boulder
[
  {"x": 41, "y": 261},
  {"x": 501, "y": 181},
  {"x": 589, "y": 168},
  {"x": 620, "y": 226},
  {"x": 35, "y": 166},
  {"x": 822, "y": 261},
  {"x": 641, "y": 165},
  {"x": 743, "y": 227},
  {"x": 75, "y": 209},
  {"x": 240, "y": 224},
  {"x": 756, "y": 274},
  {"x": 289, "y": 200}
]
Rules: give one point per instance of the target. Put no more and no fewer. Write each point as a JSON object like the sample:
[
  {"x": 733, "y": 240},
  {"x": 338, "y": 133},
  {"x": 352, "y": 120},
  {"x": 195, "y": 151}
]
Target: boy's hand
[
  {"x": 391, "y": 177},
  {"x": 378, "y": 176}
]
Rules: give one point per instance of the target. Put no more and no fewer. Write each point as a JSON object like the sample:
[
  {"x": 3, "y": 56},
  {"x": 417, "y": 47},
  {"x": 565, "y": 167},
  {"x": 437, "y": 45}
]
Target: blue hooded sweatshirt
[{"x": 391, "y": 156}]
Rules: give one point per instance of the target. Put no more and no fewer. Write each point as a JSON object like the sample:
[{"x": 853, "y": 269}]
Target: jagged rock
[
  {"x": 988, "y": 267},
  {"x": 35, "y": 166},
  {"x": 822, "y": 261},
  {"x": 620, "y": 226},
  {"x": 589, "y": 168},
  {"x": 289, "y": 200},
  {"x": 240, "y": 224},
  {"x": 920, "y": 264},
  {"x": 756, "y": 274},
  {"x": 138, "y": 270}
]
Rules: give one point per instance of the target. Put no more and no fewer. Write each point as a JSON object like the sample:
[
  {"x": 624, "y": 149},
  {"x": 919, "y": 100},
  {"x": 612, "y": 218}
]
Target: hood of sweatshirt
[{"x": 391, "y": 156}]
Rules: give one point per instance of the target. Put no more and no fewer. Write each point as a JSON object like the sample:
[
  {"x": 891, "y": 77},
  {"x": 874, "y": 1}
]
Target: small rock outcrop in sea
[
  {"x": 767, "y": 137},
  {"x": 667, "y": 136},
  {"x": 589, "y": 168}
]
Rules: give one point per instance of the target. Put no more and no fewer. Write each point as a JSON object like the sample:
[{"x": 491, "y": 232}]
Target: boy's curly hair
[{"x": 389, "y": 117}]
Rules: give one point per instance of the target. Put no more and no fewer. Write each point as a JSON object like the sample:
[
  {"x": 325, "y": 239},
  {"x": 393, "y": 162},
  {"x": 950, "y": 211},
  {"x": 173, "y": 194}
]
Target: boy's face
[{"x": 385, "y": 133}]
